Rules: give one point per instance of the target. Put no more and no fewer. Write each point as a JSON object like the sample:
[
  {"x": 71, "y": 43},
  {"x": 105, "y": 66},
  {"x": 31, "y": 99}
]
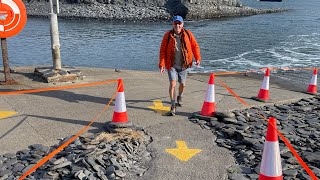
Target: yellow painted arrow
[
  {"x": 158, "y": 106},
  {"x": 4, "y": 114},
  {"x": 182, "y": 152}
]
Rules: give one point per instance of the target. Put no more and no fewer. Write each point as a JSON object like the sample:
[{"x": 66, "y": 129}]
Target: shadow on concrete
[
  {"x": 6, "y": 133},
  {"x": 186, "y": 114},
  {"x": 97, "y": 125},
  {"x": 176, "y": 7},
  {"x": 72, "y": 97},
  {"x": 76, "y": 98},
  {"x": 6, "y": 90},
  {"x": 28, "y": 75}
]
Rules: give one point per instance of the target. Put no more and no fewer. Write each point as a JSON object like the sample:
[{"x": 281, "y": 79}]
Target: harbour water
[{"x": 287, "y": 39}]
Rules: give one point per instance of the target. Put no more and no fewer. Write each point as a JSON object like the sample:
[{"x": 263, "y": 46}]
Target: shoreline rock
[
  {"x": 120, "y": 153},
  {"x": 244, "y": 135},
  {"x": 157, "y": 11}
]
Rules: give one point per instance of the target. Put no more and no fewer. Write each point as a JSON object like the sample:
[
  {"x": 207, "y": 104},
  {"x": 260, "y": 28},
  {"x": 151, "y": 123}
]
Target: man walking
[{"x": 177, "y": 49}]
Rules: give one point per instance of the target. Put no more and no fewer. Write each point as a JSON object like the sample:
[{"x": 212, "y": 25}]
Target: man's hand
[
  {"x": 162, "y": 70},
  {"x": 197, "y": 63}
]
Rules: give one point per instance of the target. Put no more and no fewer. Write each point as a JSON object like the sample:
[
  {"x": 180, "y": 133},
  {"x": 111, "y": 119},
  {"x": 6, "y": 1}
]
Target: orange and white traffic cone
[
  {"x": 209, "y": 107},
  {"x": 313, "y": 83},
  {"x": 270, "y": 168},
  {"x": 120, "y": 110},
  {"x": 264, "y": 89}
]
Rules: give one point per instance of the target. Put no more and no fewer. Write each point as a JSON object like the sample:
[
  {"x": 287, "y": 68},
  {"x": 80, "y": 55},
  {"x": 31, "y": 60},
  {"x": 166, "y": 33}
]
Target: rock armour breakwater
[{"x": 144, "y": 10}]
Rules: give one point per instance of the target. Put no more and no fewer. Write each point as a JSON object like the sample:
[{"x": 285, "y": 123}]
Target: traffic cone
[
  {"x": 270, "y": 168},
  {"x": 120, "y": 110},
  {"x": 264, "y": 89},
  {"x": 313, "y": 83},
  {"x": 209, "y": 107}
]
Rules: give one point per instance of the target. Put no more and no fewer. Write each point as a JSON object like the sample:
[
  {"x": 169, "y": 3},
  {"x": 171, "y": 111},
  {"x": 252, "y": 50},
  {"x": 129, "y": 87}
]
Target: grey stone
[
  {"x": 315, "y": 170},
  {"x": 230, "y": 120},
  {"x": 2, "y": 159},
  {"x": 245, "y": 170},
  {"x": 241, "y": 118},
  {"x": 67, "y": 163},
  {"x": 258, "y": 146},
  {"x": 313, "y": 158},
  {"x": 230, "y": 132},
  {"x": 283, "y": 107},
  {"x": 286, "y": 166},
  {"x": 253, "y": 176},
  {"x": 110, "y": 170},
  {"x": 51, "y": 175},
  {"x": 77, "y": 142},
  {"x": 18, "y": 167},
  {"x": 5, "y": 172},
  {"x": 80, "y": 175},
  {"x": 59, "y": 161},
  {"x": 244, "y": 127},
  {"x": 219, "y": 126},
  {"x": 3, "y": 166},
  {"x": 301, "y": 131},
  {"x": 240, "y": 147},
  {"x": 88, "y": 147},
  {"x": 11, "y": 162},
  {"x": 101, "y": 175},
  {"x": 205, "y": 127},
  {"x": 39, "y": 147},
  {"x": 292, "y": 161},
  {"x": 27, "y": 168},
  {"x": 115, "y": 163},
  {"x": 120, "y": 173},
  {"x": 249, "y": 141},
  {"x": 287, "y": 155},
  {"x": 291, "y": 172},
  {"x": 257, "y": 169},
  {"x": 63, "y": 171}
]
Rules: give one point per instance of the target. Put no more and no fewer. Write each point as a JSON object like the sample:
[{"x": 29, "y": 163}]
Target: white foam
[{"x": 298, "y": 51}]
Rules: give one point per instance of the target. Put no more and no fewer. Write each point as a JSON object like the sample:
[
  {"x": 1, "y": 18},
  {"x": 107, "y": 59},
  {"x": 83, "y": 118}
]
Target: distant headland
[{"x": 144, "y": 10}]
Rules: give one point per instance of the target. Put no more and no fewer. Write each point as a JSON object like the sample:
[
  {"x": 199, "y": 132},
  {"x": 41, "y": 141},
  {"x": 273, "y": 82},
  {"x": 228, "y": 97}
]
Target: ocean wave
[{"x": 297, "y": 51}]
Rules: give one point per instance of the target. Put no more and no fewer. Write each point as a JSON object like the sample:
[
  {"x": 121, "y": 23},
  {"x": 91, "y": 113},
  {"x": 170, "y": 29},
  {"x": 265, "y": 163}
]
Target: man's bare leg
[
  {"x": 179, "y": 98},
  {"x": 172, "y": 93}
]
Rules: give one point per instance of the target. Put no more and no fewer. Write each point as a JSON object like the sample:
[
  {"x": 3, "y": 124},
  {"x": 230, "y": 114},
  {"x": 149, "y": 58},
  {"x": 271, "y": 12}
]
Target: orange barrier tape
[
  {"x": 260, "y": 69},
  {"x": 296, "y": 155},
  {"x": 228, "y": 73},
  {"x": 53, "y": 153},
  {"x": 286, "y": 68},
  {"x": 57, "y": 88}
]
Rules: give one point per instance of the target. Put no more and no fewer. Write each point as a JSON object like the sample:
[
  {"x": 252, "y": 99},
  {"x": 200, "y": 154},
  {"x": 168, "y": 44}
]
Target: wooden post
[{"x": 7, "y": 76}]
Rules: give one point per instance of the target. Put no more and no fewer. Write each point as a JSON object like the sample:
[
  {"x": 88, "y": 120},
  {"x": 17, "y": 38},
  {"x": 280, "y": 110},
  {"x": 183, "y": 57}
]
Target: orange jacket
[{"x": 189, "y": 48}]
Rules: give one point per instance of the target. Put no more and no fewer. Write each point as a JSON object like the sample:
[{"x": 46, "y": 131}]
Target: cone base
[
  {"x": 312, "y": 89},
  {"x": 263, "y": 94},
  {"x": 120, "y": 117},
  {"x": 263, "y": 177},
  {"x": 208, "y": 109}
]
